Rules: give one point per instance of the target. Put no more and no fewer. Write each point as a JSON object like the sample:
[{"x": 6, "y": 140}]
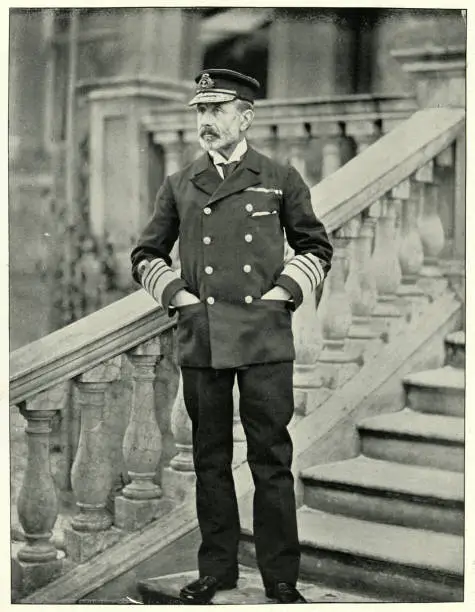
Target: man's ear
[{"x": 247, "y": 118}]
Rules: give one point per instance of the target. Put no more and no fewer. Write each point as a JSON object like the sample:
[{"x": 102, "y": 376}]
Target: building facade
[{"x": 59, "y": 56}]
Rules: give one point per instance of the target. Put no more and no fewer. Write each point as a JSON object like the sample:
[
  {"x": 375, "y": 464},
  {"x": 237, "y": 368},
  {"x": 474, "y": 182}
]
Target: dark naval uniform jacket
[{"x": 231, "y": 250}]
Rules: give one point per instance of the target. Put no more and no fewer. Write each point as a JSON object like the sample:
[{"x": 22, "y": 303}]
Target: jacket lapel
[
  {"x": 205, "y": 175},
  {"x": 245, "y": 175},
  {"x": 208, "y": 180}
]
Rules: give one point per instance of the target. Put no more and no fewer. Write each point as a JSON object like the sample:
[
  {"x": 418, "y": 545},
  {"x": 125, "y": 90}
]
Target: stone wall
[{"x": 408, "y": 29}]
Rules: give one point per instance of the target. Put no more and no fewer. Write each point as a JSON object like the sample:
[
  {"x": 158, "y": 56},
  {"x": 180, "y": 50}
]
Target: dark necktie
[{"x": 228, "y": 168}]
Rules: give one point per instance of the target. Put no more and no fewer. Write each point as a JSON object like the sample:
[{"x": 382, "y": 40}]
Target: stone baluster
[
  {"x": 300, "y": 153},
  {"x": 92, "y": 470},
  {"x": 308, "y": 340},
  {"x": 174, "y": 155},
  {"x": 38, "y": 561},
  {"x": 450, "y": 261},
  {"x": 387, "y": 317},
  {"x": 142, "y": 445},
  {"x": 179, "y": 477},
  {"x": 330, "y": 157},
  {"x": 431, "y": 278},
  {"x": 337, "y": 362},
  {"x": 364, "y": 133},
  {"x": 182, "y": 434},
  {"x": 444, "y": 173},
  {"x": 410, "y": 248},
  {"x": 361, "y": 288}
]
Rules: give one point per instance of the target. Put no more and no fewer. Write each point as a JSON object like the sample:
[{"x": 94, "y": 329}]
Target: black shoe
[
  {"x": 203, "y": 590},
  {"x": 285, "y": 593}
]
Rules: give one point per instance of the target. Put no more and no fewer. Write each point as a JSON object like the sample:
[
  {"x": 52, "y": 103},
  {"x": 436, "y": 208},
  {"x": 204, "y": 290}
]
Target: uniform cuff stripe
[
  {"x": 299, "y": 276},
  {"x": 157, "y": 278},
  {"x": 300, "y": 261},
  {"x": 318, "y": 266},
  {"x": 302, "y": 269},
  {"x": 310, "y": 261},
  {"x": 154, "y": 265},
  {"x": 156, "y": 281},
  {"x": 152, "y": 274}
]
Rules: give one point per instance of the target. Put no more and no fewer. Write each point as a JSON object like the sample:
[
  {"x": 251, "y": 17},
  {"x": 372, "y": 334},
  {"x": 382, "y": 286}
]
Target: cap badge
[{"x": 206, "y": 82}]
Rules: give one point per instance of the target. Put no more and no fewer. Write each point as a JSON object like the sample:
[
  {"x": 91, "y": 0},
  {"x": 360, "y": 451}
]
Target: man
[{"x": 234, "y": 298}]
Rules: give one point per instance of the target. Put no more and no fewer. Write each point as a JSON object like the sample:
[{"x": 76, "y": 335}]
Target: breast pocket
[{"x": 264, "y": 213}]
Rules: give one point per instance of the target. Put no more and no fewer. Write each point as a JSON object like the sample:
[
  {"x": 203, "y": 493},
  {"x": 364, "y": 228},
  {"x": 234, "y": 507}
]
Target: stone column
[
  {"x": 162, "y": 41},
  {"x": 311, "y": 53},
  {"x": 119, "y": 158},
  {"x": 438, "y": 74}
]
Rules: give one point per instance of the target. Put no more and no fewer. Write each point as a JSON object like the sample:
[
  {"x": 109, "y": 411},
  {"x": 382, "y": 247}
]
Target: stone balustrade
[
  {"x": 383, "y": 210},
  {"x": 316, "y": 135}
]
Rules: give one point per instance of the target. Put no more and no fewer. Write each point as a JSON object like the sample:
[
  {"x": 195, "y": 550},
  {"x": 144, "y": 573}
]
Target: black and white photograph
[{"x": 236, "y": 304}]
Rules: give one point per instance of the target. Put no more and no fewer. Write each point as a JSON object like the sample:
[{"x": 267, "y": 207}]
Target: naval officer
[{"x": 234, "y": 295}]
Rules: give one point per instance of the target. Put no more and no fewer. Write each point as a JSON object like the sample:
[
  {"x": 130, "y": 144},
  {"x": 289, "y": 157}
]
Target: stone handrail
[
  {"x": 84, "y": 344},
  {"x": 387, "y": 163},
  {"x": 389, "y": 210}
]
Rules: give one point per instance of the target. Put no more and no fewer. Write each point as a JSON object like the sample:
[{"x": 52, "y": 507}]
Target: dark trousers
[{"x": 266, "y": 407}]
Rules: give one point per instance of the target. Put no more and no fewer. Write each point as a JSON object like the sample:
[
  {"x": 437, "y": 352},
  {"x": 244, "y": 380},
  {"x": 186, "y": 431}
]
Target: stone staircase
[
  {"x": 386, "y": 525},
  {"x": 390, "y": 536}
]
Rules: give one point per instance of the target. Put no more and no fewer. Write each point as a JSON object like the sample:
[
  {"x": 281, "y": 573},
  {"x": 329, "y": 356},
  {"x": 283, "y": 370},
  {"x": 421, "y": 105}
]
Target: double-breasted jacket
[{"x": 231, "y": 252}]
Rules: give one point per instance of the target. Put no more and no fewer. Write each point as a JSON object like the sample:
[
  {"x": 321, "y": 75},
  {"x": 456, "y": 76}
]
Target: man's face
[{"x": 221, "y": 125}]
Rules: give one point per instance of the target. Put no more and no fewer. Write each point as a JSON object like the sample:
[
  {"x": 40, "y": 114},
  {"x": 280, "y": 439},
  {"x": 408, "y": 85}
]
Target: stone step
[
  {"x": 395, "y": 563},
  {"x": 387, "y": 492},
  {"x": 165, "y": 590},
  {"x": 439, "y": 391},
  {"x": 455, "y": 349},
  {"x": 414, "y": 438}
]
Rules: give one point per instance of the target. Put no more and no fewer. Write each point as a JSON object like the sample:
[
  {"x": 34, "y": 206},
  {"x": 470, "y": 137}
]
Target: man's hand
[
  {"x": 277, "y": 293},
  {"x": 184, "y": 298}
]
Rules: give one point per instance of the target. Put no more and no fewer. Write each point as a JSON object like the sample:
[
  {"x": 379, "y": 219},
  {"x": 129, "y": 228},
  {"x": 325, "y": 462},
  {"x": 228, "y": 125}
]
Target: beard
[{"x": 210, "y": 140}]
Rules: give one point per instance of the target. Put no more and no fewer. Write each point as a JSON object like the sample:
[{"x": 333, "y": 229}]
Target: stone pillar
[
  {"x": 92, "y": 470},
  {"x": 311, "y": 53},
  {"x": 438, "y": 74},
  {"x": 162, "y": 41},
  {"x": 119, "y": 158},
  {"x": 27, "y": 78}
]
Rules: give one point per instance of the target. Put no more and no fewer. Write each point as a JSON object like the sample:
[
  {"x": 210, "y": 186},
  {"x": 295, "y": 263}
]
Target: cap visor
[{"x": 209, "y": 96}]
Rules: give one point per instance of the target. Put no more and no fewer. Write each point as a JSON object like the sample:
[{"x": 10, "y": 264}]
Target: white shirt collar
[{"x": 235, "y": 156}]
